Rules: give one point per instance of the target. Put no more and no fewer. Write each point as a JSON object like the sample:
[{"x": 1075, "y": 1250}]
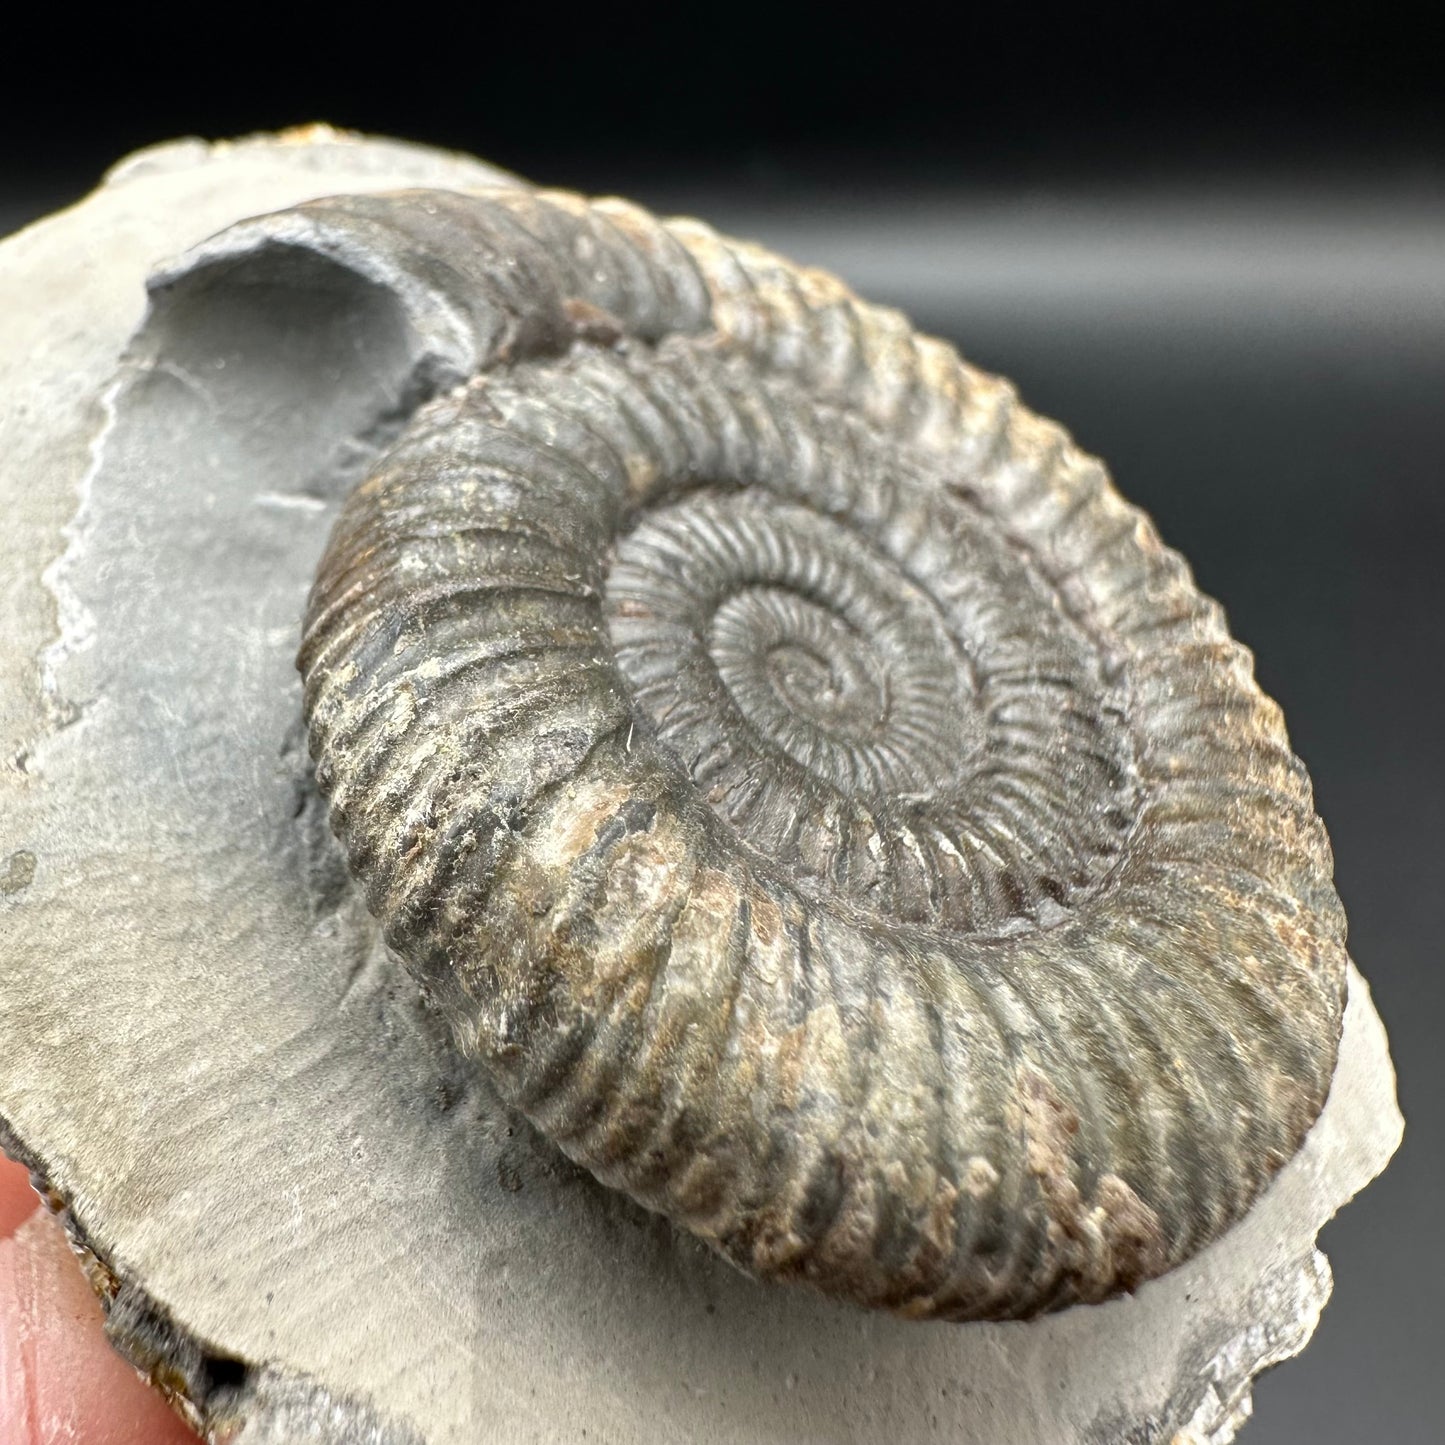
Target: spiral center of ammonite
[
  {"x": 839, "y": 693},
  {"x": 886, "y": 702},
  {"x": 789, "y": 663},
  {"x": 809, "y": 684},
  {"x": 777, "y": 651}
]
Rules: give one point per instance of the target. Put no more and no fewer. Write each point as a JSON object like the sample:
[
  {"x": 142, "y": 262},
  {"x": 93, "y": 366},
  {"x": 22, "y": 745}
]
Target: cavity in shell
[{"x": 817, "y": 798}]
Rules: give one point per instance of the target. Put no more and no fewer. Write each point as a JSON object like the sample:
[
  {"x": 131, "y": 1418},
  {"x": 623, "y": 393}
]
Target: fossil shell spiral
[{"x": 823, "y": 804}]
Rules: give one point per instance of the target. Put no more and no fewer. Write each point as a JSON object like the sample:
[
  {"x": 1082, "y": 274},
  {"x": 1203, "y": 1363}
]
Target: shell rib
[{"x": 829, "y": 811}]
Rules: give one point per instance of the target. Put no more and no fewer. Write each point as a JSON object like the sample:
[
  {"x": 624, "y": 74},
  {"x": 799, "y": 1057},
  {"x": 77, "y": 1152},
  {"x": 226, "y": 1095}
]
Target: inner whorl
[{"x": 825, "y": 807}]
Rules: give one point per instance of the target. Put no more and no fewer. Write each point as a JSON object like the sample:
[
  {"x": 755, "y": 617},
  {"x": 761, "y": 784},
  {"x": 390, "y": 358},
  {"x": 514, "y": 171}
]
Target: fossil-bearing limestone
[{"x": 901, "y": 610}]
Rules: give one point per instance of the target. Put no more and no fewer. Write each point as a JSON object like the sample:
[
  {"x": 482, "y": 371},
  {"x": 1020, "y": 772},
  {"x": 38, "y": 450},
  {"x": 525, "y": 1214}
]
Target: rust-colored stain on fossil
[{"x": 823, "y": 804}]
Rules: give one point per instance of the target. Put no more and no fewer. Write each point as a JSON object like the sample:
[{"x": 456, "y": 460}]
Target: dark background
[{"x": 1213, "y": 244}]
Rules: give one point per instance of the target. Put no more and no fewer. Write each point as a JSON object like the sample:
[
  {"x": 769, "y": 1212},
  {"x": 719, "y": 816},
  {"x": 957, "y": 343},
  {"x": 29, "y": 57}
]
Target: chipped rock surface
[{"x": 309, "y": 1219}]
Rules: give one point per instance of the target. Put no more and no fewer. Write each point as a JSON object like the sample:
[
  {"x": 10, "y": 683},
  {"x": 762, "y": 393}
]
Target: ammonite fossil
[{"x": 823, "y": 804}]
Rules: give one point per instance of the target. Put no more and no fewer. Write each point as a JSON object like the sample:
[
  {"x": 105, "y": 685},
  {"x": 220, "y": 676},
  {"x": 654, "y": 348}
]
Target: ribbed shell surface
[{"x": 820, "y": 801}]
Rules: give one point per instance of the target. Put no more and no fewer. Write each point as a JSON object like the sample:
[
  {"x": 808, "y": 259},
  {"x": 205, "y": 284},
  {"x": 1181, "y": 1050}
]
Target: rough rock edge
[
  {"x": 1228, "y": 1399},
  {"x": 315, "y": 142},
  {"x": 1292, "y": 1296},
  {"x": 222, "y": 1398}
]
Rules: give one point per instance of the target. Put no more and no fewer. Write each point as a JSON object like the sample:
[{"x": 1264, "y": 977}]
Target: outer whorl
[{"x": 824, "y": 805}]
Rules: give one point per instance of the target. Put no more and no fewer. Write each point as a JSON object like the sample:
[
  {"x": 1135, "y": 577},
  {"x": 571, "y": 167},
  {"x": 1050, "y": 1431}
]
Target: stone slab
[{"x": 312, "y": 1221}]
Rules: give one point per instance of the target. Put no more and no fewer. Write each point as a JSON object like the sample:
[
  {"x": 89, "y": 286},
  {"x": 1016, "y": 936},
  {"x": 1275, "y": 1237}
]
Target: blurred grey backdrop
[{"x": 1212, "y": 246}]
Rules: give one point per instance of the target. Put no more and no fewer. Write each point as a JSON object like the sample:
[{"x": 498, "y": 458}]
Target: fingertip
[
  {"x": 17, "y": 1199},
  {"x": 59, "y": 1376}
]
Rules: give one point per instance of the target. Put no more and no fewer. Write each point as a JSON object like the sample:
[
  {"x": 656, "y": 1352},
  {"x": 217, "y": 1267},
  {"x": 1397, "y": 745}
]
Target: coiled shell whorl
[{"x": 823, "y": 804}]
